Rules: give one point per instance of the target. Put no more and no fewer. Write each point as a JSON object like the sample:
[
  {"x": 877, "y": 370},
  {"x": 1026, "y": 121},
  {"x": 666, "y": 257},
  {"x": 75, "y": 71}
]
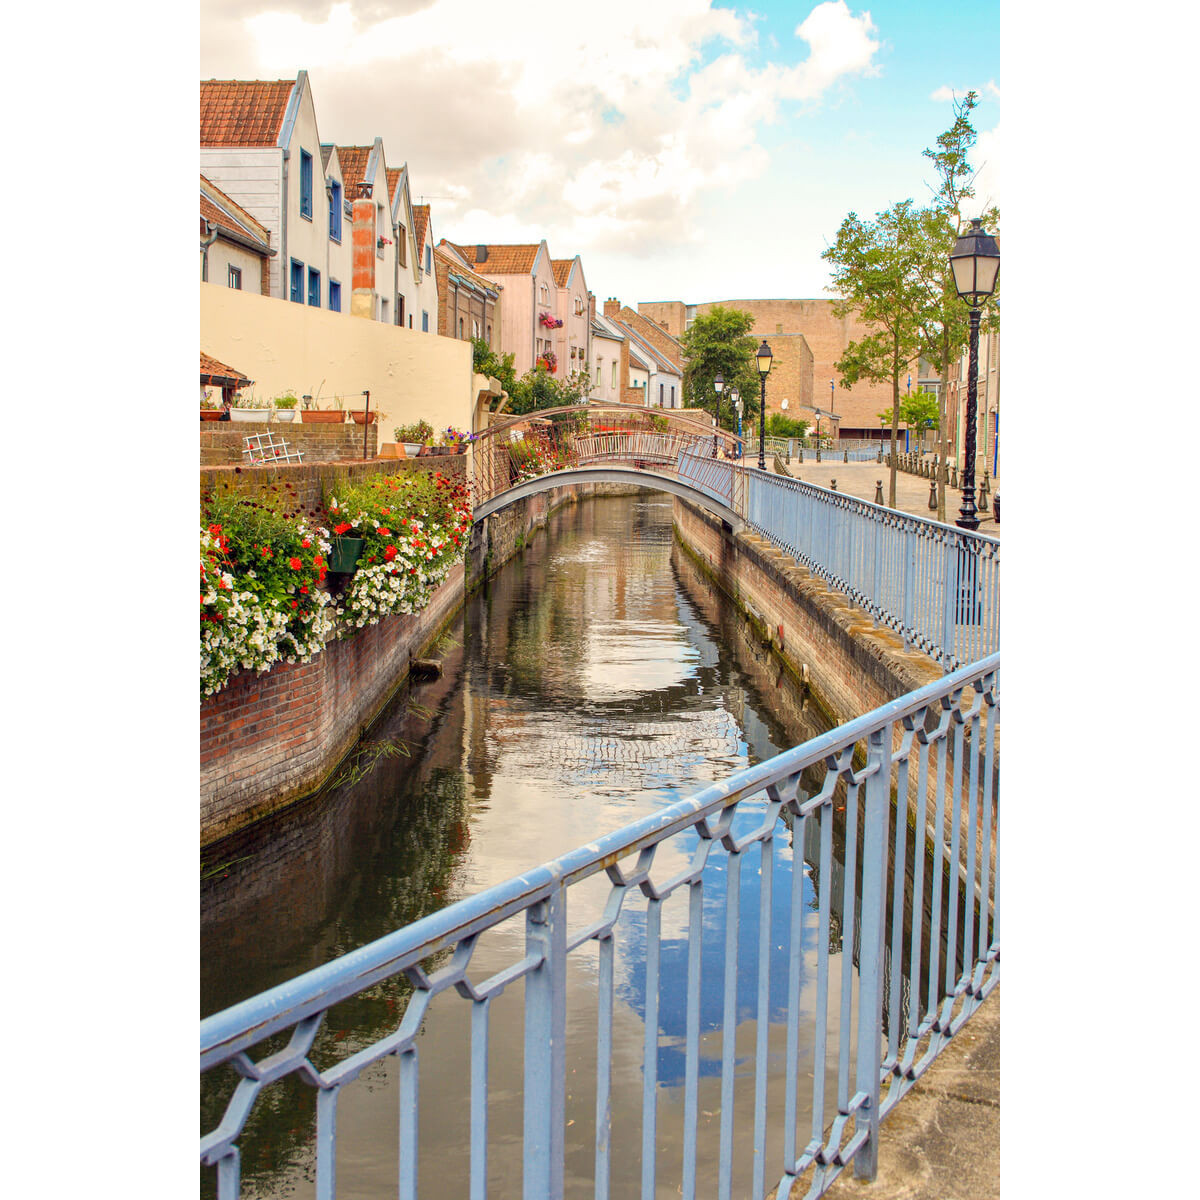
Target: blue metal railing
[
  {"x": 906, "y": 947},
  {"x": 936, "y": 585}
]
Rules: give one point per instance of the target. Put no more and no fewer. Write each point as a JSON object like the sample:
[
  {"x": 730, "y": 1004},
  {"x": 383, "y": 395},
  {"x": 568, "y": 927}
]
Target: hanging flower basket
[{"x": 344, "y": 555}]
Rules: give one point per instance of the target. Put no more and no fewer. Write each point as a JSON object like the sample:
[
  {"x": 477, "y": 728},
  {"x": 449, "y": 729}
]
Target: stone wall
[{"x": 853, "y": 665}]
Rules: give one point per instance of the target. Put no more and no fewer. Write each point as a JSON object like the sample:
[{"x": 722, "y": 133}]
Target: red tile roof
[
  {"x": 452, "y": 264},
  {"x": 420, "y": 227},
  {"x": 235, "y": 112},
  {"x": 228, "y": 213},
  {"x": 501, "y": 260},
  {"x": 562, "y": 270},
  {"x": 353, "y": 160},
  {"x": 215, "y": 372},
  {"x": 393, "y": 180}
]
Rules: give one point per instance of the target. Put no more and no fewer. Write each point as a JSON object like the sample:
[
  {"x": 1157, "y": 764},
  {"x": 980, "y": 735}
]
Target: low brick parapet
[{"x": 221, "y": 442}]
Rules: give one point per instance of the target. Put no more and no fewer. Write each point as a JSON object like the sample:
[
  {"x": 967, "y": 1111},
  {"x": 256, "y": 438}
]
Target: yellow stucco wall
[{"x": 292, "y": 347}]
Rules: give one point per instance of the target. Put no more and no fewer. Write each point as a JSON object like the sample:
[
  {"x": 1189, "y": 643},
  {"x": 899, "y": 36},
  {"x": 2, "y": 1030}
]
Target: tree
[
  {"x": 786, "y": 427},
  {"x": 944, "y": 319},
  {"x": 719, "y": 343},
  {"x": 538, "y": 389},
  {"x": 485, "y": 361},
  {"x": 874, "y": 273}
]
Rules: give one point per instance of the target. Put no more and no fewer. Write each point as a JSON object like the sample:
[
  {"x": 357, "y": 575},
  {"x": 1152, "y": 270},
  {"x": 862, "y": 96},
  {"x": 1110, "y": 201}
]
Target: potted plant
[
  {"x": 324, "y": 416},
  {"x": 250, "y": 408},
  {"x": 413, "y": 437},
  {"x": 210, "y": 410},
  {"x": 361, "y": 418},
  {"x": 285, "y": 407}
]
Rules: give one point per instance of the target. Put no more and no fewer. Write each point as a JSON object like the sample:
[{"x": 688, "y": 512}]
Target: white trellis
[{"x": 262, "y": 448}]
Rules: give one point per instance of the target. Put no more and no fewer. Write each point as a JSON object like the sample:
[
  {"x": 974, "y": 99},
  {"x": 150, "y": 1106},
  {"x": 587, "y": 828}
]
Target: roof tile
[
  {"x": 501, "y": 260},
  {"x": 235, "y": 112}
]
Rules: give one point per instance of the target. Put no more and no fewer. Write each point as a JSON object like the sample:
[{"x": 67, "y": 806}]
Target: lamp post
[
  {"x": 832, "y": 410},
  {"x": 719, "y": 386},
  {"x": 764, "y": 369},
  {"x": 735, "y": 398},
  {"x": 975, "y": 261}
]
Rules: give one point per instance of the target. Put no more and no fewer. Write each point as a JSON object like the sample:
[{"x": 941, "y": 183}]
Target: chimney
[
  {"x": 363, "y": 235},
  {"x": 612, "y": 307},
  {"x": 592, "y": 305},
  {"x": 481, "y": 254}
]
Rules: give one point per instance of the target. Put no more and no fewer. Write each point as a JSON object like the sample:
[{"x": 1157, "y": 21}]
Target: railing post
[
  {"x": 545, "y": 1046},
  {"x": 870, "y": 964}
]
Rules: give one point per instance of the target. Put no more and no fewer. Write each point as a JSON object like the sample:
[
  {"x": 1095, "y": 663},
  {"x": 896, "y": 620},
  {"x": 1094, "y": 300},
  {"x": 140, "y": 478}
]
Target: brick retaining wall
[{"x": 222, "y": 441}]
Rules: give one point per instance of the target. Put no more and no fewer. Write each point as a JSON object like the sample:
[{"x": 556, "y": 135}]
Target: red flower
[
  {"x": 385, "y": 531},
  {"x": 306, "y": 543},
  {"x": 389, "y": 554},
  {"x": 266, "y": 552},
  {"x": 304, "y": 589},
  {"x": 294, "y": 603},
  {"x": 295, "y": 564},
  {"x": 340, "y": 529}
]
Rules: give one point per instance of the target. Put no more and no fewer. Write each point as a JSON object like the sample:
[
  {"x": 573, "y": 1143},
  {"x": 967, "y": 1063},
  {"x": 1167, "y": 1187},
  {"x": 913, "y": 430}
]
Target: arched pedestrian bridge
[{"x": 619, "y": 443}]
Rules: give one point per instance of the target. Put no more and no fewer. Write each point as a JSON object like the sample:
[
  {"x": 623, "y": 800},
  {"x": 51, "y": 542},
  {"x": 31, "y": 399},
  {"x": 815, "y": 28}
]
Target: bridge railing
[
  {"x": 551, "y": 440},
  {"x": 851, "y": 1004},
  {"x": 936, "y": 585}
]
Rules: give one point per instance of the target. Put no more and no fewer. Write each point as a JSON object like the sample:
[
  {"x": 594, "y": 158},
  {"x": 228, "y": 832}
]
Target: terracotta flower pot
[
  {"x": 317, "y": 416},
  {"x": 210, "y": 414},
  {"x": 361, "y": 418}
]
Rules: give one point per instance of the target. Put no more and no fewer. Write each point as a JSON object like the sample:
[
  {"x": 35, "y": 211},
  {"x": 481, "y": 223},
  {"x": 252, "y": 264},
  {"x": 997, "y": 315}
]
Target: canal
[{"x": 597, "y": 677}]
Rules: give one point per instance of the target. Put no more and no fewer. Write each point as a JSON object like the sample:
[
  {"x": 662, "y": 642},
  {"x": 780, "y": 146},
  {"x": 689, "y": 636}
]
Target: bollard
[
  {"x": 954, "y": 476},
  {"x": 879, "y": 491},
  {"x": 879, "y": 456},
  {"x": 983, "y": 494},
  {"x": 833, "y": 485},
  {"x": 801, "y": 453},
  {"x": 933, "y": 495},
  {"x": 845, "y": 456},
  {"x": 818, "y": 452}
]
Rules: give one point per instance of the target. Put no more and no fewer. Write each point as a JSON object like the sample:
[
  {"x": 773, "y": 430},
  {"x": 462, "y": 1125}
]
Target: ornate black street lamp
[
  {"x": 735, "y": 398},
  {"x": 719, "y": 385},
  {"x": 975, "y": 261},
  {"x": 764, "y": 369}
]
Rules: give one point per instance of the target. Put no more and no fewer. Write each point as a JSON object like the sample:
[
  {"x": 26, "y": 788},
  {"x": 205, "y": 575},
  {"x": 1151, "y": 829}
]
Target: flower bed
[
  {"x": 264, "y": 561},
  {"x": 414, "y": 528},
  {"x": 262, "y": 564}
]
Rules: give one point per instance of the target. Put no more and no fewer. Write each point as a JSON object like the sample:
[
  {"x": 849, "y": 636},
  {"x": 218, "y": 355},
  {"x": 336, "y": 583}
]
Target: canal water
[{"x": 596, "y": 678}]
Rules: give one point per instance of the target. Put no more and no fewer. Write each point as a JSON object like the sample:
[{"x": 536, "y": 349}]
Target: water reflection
[{"x": 595, "y": 679}]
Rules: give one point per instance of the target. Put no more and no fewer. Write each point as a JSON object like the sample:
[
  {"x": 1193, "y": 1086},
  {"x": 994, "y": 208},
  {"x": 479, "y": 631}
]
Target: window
[
  {"x": 460, "y": 328},
  {"x": 474, "y": 329},
  {"x": 306, "y": 185},
  {"x": 314, "y": 288},
  {"x": 578, "y": 307},
  {"x": 599, "y": 364},
  {"x": 335, "y": 211},
  {"x": 297, "y": 282},
  {"x": 424, "y": 321},
  {"x": 489, "y": 336},
  {"x": 384, "y": 309},
  {"x": 543, "y": 293},
  {"x": 428, "y": 259},
  {"x": 379, "y": 230},
  {"x": 400, "y": 309},
  {"x": 672, "y": 395},
  {"x": 614, "y": 374},
  {"x": 235, "y": 278},
  {"x": 660, "y": 395},
  {"x": 402, "y": 244},
  {"x": 335, "y": 296}
]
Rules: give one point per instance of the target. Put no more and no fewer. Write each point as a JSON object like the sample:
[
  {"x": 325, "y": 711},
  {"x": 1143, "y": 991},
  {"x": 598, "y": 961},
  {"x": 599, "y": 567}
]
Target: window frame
[
  {"x": 335, "y": 211},
  {"x": 314, "y": 294},
  {"x": 306, "y": 185},
  {"x": 296, "y": 285},
  {"x": 234, "y": 277},
  {"x": 335, "y": 283}
]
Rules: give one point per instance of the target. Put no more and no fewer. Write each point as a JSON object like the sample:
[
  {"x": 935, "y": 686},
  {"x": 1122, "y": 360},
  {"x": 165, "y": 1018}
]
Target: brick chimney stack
[
  {"x": 612, "y": 307},
  {"x": 362, "y": 299}
]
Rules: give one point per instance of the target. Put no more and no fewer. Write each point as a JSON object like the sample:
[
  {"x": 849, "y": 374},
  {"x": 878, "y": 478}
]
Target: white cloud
[{"x": 601, "y": 126}]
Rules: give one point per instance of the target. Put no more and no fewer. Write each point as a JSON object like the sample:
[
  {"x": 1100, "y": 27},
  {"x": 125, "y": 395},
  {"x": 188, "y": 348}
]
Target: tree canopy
[{"x": 719, "y": 343}]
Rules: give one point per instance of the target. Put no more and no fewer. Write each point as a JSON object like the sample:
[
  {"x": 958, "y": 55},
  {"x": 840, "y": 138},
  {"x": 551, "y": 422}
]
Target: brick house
[
  {"x": 415, "y": 305},
  {"x": 609, "y": 362},
  {"x": 468, "y": 304},
  {"x": 235, "y": 249},
  {"x": 653, "y": 352},
  {"x": 825, "y": 337},
  {"x": 260, "y": 145},
  {"x": 526, "y": 273}
]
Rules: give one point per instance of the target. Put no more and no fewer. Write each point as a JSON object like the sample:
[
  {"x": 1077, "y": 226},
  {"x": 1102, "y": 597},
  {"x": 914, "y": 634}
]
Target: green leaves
[{"x": 720, "y": 343}]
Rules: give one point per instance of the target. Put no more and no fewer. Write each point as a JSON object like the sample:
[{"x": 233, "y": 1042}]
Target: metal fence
[
  {"x": 903, "y": 947},
  {"x": 936, "y": 585}
]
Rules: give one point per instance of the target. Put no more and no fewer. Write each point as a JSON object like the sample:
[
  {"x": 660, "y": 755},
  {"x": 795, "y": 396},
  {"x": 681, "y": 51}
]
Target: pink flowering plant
[
  {"x": 262, "y": 567},
  {"x": 415, "y": 527}
]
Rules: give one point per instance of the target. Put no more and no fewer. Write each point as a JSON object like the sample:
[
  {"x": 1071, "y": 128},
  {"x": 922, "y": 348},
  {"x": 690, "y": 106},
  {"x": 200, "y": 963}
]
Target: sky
[{"x": 686, "y": 149}]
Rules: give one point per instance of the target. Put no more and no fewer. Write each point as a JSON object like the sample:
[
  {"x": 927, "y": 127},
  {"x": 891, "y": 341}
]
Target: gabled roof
[
  {"x": 605, "y": 327},
  {"x": 215, "y": 373},
  {"x": 659, "y": 360},
  {"x": 327, "y": 152},
  {"x": 420, "y": 227},
  {"x": 455, "y": 267},
  {"x": 355, "y": 163},
  {"x": 562, "y": 270},
  {"x": 235, "y": 112},
  {"x": 230, "y": 217},
  {"x": 500, "y": 259}
]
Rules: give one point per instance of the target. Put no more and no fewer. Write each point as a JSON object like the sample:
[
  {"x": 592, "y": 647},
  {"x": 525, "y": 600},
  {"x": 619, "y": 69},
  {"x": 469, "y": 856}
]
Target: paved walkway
[
  {"x": 942, "y": 1141},
  {"x": 858, "y": 479}
]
